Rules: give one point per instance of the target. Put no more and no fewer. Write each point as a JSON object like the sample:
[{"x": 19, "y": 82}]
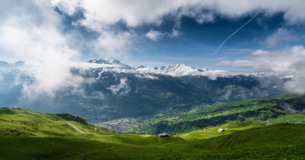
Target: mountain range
[{"x": 115, "y": 90}]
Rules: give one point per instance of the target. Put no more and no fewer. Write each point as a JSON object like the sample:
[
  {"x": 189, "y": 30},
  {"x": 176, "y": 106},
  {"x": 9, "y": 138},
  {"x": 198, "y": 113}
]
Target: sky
[
  {"x": 202, "y": 34},
  {"x": 237, "y": 35}
]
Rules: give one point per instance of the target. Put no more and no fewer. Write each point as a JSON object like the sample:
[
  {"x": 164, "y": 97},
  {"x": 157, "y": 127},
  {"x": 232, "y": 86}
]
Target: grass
[
  {"x": 264, "y": 110},
  {"x": 210, "y": 132},
  {"x": 28, "y": 123},
  {"x": 25, "y": 134},
  {"x": 271, "y": 142},
  {"x": 294, "y": 118}
]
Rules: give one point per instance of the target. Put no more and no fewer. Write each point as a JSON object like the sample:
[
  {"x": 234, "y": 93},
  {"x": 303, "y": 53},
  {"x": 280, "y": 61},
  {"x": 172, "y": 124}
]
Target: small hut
[
  {"x": 163, "y": 135},
  {"x": 220, "y": 130}
]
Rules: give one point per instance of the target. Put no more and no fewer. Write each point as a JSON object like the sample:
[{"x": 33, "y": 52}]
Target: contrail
[{"x": 234, "y": 33}]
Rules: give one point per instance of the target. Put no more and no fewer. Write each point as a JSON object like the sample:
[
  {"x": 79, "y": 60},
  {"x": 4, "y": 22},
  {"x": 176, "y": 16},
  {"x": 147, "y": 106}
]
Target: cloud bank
[
  {"x": 102, "y": 16},
  {"x": 31, "y": 32},
  {"x": 289, "y": 61},
  {"x": 154, "y": 35},
  {"x": 280, "y": 36},
  {"x": 139, "y": 12},
  {"x": 121, "y": 89}
]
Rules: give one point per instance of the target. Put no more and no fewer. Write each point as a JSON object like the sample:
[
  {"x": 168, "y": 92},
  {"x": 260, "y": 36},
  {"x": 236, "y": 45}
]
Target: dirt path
[
  {"x": 193, "y": 132},
  {"x": 145, "y": 135},
  {"x": 185, "y": 135},
  {"x": 75, "y": 128}
]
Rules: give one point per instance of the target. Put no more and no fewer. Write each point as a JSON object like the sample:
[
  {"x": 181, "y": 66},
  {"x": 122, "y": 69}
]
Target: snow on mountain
[
  {"x": 172, "y": 70},
  {"x": 106, "y": 61},
  {"x": 113, "y": 63},
  {"x": 177, "y": 70},
  {"x": 117, "y": 66},
  {"x": 107, "y": 64},
  {"x": 180, "y": 70}
]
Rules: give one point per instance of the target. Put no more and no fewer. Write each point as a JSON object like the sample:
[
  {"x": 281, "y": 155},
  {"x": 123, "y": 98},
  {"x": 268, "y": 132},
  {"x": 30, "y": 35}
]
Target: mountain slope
[
  {"x": 112, "y": 90},
  {"x": 47, "y": 136},
  {"x": 118, "y": 95},
  {"x": 271, "y": 142},
  {"x": 21, "y": 122},
  {"x": 271, "y": 110}
]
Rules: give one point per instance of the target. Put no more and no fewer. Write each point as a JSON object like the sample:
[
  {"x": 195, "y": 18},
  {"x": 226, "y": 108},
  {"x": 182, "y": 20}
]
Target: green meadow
[{"x": 25, "y": 134}]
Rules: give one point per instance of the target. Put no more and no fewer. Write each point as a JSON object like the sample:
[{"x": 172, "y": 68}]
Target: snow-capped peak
[
  {"x": 172, "y": 70},
  {"x": 110, "y": 63},
  {"x": 177, "y": 67},
  {"x": 106, "y": 61},
  {"x": 177, "y": 70},
  {"x": 180, "y": 70}
]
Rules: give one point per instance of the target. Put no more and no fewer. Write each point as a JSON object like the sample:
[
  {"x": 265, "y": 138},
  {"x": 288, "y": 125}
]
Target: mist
[{"x": 41, "y": 45}]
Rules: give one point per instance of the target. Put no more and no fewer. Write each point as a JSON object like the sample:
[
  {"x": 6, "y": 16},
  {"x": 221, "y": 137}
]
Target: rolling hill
[
  {"x": 22, "y": 122},
  {"x": 25, "y": 134},
  {"x": 271, "y": 110}
]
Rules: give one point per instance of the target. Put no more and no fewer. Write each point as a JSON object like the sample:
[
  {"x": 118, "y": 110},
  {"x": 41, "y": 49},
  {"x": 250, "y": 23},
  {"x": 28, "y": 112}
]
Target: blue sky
[
  {"x": 195, "y": 43},
  {"x": 51, "y": 36},
  {"x": 152, "y": 33}
]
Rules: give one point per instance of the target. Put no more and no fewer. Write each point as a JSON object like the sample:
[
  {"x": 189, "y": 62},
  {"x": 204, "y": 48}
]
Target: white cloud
[
  {"x": 175, "y": 33},
  {"x": 35, "y": 37},
  {"x": 154, "y": 35},
  {"x": 69, "y": 6},
  {"x": 31, "y": 31},
  {"x": 113, "y": 44},
  {"x": 281, "y": 36},
  {"x": 289, "y": 61},
  {"x": 138, "y": 12},
  {"x": 260, "y": 52},
  {"x": 121, "y": 89},
  {"x": 102, "y": 15},
  {"x": 277, "y": 61}
]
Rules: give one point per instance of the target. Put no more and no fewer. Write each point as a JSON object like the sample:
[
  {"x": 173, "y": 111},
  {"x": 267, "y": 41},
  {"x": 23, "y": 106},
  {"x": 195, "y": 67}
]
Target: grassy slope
[
  {"x": 24, "y": 122},
  {"x": 271, "y": 142},
  {"x": 265, "y": 110},
  {"x": 25, "y": 134}
]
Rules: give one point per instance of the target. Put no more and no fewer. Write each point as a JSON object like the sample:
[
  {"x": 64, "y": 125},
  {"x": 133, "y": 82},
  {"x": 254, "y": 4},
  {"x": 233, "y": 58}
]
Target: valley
[
  {"x": 111, "y": 90},
  {"x": 152, "y": 80},
  {"x": 276, "y": 134}
]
